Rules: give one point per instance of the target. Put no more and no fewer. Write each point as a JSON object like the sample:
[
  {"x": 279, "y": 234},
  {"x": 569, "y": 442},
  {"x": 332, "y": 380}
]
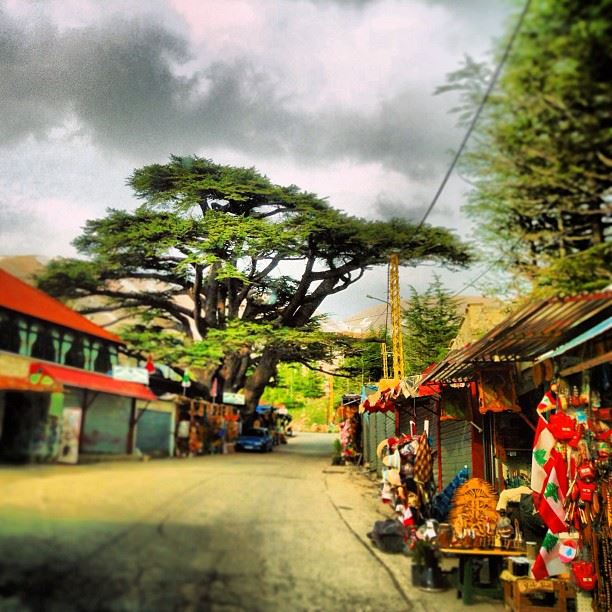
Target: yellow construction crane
[
  {"x": 396, "y": 318},
  {"x": 396, "y": 330}
]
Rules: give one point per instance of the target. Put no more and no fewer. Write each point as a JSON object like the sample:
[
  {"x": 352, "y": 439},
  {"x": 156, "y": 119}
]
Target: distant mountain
[
  {"x": 24, "y": 267},
  {"x": 362, "y": 322}
]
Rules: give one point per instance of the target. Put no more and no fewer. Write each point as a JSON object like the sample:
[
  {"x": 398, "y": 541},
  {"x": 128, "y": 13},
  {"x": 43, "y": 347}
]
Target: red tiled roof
[
  {"x": 25, "y": 299},
  {"x": 94, "y": 381}
]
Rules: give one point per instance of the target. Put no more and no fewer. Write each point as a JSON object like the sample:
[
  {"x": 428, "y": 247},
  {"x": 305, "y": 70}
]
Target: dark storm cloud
[
  {"x": 387, "y": 208},
  {"x": 407, "y": 133},
  {"x": 120, "y": 80}
]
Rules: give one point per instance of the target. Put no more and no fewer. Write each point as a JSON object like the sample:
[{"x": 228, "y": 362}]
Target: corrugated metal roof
[{"x": 536, "y": 329}]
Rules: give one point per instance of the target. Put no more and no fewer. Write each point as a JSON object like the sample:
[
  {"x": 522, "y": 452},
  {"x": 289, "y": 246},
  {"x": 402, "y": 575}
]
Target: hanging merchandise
[
  {"x": 423, "y": 466},
  {"x": 543, "y": 444},
  {"x": 570, "y": 478},
  {"x": 554, "y": 493},
  {"x": 407, "y": 479}
]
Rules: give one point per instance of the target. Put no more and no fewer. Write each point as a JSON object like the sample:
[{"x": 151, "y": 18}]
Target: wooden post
[{"x": 129, "y": 447}]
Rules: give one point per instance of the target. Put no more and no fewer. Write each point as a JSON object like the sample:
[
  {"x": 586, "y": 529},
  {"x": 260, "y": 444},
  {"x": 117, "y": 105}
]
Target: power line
[
  {"x": 487, "y": 269},
  {"x": 478, "y": 112}
]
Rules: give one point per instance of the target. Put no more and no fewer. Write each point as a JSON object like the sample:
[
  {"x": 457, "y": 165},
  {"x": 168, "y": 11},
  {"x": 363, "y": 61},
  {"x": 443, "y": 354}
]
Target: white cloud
[{"x": 333, "y": 96}]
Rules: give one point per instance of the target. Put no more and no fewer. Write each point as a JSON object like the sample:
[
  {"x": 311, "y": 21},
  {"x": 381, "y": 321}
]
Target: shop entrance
[{"x": 22, "y": 424}]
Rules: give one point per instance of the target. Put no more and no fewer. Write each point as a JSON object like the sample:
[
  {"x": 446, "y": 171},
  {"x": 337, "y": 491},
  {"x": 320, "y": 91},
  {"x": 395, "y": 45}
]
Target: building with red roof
[
  {"x": 19, "y": 297},
  {"x": 58, "y": 398}
]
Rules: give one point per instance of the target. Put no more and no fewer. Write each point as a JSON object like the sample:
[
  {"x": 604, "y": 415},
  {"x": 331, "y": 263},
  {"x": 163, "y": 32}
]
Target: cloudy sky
[{"x": 335, "y": 96}]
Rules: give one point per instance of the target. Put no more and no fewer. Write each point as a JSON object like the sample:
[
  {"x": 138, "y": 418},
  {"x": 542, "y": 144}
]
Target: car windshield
[{"x": 259, "y": 433}]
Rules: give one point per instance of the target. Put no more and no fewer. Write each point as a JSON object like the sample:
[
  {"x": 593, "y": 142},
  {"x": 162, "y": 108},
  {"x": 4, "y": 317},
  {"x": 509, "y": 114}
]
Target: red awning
[{"x": 93, "y": 381}]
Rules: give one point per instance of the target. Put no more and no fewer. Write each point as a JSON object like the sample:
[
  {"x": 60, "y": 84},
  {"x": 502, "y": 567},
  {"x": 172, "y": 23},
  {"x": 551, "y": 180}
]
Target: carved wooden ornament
[{"x": 473, "y": 508}]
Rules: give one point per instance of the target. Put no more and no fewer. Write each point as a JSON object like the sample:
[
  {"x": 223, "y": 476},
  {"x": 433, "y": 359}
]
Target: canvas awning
[
  {"x": 538, "y": 328},
  {"x": 93, "y": 381},
  {"x": 590, "y": 334}
]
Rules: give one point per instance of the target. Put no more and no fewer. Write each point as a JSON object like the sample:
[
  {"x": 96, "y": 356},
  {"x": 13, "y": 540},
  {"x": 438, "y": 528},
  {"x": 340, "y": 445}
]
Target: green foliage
[
  {"x": 294, "y": 383},
  {"x": 363, "y": 363},
  {"x": 540, "y": 160},
  {"x": 203, "y": 253},
  {"x": 432, "y": 322}
]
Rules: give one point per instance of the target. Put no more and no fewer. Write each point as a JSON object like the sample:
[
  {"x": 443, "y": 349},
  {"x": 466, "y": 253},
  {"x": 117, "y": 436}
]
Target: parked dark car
[{"x": 256, "y": 439}]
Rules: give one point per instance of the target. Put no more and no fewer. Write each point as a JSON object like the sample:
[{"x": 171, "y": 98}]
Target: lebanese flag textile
[
  {"x": 543, "y": 444},
  {"x": 548, "y": 562},
  {"x": 548, "y": 402},
  {"x": 553, "y": 495}
]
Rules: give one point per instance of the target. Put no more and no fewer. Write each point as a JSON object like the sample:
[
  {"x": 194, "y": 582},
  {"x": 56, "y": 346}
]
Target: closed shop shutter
[
  {"x": 107, "y": 423},
  {"x": 456, "y": 448},
  {"x": 371, "y": 440},
  {"x": 406, "y": 415},
  {"x": 381, "y": 420},
  {"x": 389, "y": 424},
  {"x": 153, "y": 432}
]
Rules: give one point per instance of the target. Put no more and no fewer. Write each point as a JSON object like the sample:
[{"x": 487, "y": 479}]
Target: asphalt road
[{"x": 225, "y": 532}]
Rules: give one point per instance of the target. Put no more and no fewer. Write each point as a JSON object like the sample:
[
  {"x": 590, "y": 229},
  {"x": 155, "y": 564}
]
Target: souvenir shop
[
  {"x": 530, "y": 519},
  {"x": 204, "y": 427},
  {"x": 349, "y": 424}
]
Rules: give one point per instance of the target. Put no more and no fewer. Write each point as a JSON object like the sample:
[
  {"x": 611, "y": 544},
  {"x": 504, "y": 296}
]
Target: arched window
[
  {"x": 103, "y": 360},
  {"x": 43, "y": 347},
  {"x": 76, "y": 354}
]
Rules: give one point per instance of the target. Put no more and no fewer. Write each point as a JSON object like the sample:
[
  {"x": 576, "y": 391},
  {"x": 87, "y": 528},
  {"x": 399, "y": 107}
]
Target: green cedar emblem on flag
[
  {"x": 552, "y": 490},
  {"x": 550, "y": 541},
  {"x": 540, "y": 456}
]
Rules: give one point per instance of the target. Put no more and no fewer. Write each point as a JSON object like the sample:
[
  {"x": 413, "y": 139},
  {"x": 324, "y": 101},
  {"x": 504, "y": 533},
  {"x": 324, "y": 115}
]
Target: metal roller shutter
[
  {"x": 371, "y": 440},
  {"x": 153, "y": 432},
  {"x": 365, "y": 436},
  {"x": 456, "y": 448},
  {"x": 107, "y": 423},
  {"x": 381, "y": 419},
  {"x": 389, "y": 424},
  {"x": 406, "y": 415}
]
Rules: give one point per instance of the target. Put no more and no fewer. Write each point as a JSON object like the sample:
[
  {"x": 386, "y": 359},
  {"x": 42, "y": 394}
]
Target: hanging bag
[{"x": 584, "y": 574}]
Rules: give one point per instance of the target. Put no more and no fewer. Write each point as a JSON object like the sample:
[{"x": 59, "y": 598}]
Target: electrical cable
[
  {"x": 476, "y": 116},
  {"x": 486, "y": 270}
]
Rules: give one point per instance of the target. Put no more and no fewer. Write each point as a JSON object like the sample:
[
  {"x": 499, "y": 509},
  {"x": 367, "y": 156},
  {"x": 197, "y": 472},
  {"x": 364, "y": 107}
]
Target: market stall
[
  {"x": 350, "y": 426},
  {"x": 544, "y": 381},
  {"x": 205, "y": 427}
]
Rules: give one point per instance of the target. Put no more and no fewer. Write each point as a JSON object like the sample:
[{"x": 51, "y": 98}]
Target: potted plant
[
  {"x": 337, "y": 456},
  {"x": 426, "y": 572}
]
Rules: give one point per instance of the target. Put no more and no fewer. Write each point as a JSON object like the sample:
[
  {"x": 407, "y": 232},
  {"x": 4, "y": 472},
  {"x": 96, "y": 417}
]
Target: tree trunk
[
  {"x": 236, "y": 366},
  {"x": 256, "y": 383},
  {"x": 211, "y": 292},
  {"x": 197, "y": 300}
]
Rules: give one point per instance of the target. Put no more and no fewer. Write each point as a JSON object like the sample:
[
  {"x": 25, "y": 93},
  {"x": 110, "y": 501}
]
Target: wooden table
[{"x": 466, "y": 589}]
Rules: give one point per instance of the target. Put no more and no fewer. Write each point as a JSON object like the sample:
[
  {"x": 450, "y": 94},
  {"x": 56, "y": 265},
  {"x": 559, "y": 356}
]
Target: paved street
[{"x": 280, "y": 531}]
